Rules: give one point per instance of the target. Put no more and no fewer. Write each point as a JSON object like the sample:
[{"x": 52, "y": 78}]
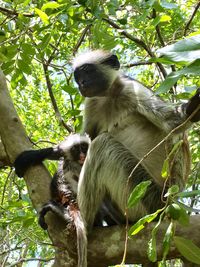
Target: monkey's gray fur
[{"x": 125, "y": 121}]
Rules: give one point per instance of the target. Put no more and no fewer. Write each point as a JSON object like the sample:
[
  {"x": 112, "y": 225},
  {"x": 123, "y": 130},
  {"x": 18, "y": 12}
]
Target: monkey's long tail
[{"x": 81, "y": 239}]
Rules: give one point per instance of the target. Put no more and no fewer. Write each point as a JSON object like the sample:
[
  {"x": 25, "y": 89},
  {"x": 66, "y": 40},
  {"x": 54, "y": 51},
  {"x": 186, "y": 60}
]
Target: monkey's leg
[{"x": 106, "y": 170}]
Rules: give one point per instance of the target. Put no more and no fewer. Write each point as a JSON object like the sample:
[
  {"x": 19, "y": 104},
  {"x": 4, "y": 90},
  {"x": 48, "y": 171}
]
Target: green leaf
[
  {"x": 165, "y": 18},
  {"x": 42, "y": 15},
  {"x": 3, "y": 58},
  {"x": 174, "y": 189},
  {"x": 82, "y": 2},
  {"x": 151, "y": 250},
  {"x": 138, "y": 193},
  {"x": 45, "y": 41},
  {"x": 184, "y": 218},
  {"x": 168, "y": 83},
  {"x": 28, "y": 222},
  {"x": 172, "y": 78},
  {"x": 23, "y": 66},
  {"x": 167, "y": 240},
  {"x": 173, "y": 211},
  {"x": 70, "y": 90},
  {"x": 185, "y": 50},
  {"x": 165, "y": 169},
  {"x": 188, "y": 249},
  {"x": 139, "y": 225},
  {"x": 167, "y": 5},
  {"x": 28, "y": 48},
  {"x": 50, "y": 5},
  {"x": 189, "y": 194}
]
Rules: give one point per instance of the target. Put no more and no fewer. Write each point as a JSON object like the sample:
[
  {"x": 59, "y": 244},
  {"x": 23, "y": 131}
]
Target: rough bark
[
  {"x": 106, "y": 245},
  {"x": 4, "y": 161}
]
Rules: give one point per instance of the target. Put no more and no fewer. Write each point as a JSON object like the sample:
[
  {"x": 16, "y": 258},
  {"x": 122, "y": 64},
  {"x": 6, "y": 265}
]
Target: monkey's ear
[{"x": 112, "y": 61}]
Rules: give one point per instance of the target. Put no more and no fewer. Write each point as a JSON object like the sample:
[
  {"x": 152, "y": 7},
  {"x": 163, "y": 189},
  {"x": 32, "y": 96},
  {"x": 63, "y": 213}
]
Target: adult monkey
[{"x": 125, "y": 121}]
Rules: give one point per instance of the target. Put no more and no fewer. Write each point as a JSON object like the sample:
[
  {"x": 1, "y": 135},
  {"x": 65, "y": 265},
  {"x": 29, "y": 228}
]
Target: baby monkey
[
  {"x": 63, "y": 188},
  {"x": 71, "y": 154}
]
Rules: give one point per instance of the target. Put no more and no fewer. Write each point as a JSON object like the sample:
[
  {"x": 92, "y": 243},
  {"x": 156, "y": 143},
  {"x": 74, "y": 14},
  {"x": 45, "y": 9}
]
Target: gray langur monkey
[{"x": 125, "y": 121}]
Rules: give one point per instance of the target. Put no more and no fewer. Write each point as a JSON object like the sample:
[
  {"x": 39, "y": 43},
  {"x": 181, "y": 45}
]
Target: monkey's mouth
[
  {"x": 91, "y": 92},
  {"x": 86, "y": 92}
]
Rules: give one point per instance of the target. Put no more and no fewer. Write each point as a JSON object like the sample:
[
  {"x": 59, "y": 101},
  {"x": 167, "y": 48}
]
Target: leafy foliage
[{"x": 38, "y": 39}]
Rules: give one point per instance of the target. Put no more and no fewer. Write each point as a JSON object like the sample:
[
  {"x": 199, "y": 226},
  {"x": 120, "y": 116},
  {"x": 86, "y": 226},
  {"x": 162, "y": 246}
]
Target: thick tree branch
[
  {"x": 15, "y": 141},
  {"x": 106, "y": 245},
  {"x": 4, "y": 160}
]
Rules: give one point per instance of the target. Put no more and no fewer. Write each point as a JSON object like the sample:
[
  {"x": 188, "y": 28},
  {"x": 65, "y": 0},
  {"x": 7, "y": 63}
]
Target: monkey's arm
[
  {"x": 165, "y": 116},
  {"x": 33, "y": 157}
]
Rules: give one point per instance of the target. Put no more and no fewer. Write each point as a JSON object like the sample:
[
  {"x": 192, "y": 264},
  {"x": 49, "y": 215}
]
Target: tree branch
[
  {"x": 140, "y": 63},
  {"x": 81, "y": 39},
  {"x": 13, "y": 12},
  {"x": 191, "y": 18},
  {"x": 53, "y": 100},
  {"x": 15, "y": 141},
  {"x": 31, "y": 259},
  {"x": 106, "y": 245},
  {"x": 160, "y": 38},
  {"x": 139, "y": 42}
]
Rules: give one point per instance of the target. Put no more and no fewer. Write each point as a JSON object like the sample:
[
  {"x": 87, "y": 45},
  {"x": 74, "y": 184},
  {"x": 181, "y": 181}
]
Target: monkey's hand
[
  {"x": 30, "y": 158},
  {"x": 57, "y": 209},
  {"x": 192, "y": 105}
]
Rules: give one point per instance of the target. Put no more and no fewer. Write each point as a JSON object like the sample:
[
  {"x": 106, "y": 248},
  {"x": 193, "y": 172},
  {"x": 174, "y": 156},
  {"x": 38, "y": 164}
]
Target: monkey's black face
[
  {"x": 91, "y": 80},
  {"x": 79, "y": 152}
]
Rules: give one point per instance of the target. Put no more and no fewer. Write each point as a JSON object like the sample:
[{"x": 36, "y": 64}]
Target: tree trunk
[{"x": 106, "y": 245}]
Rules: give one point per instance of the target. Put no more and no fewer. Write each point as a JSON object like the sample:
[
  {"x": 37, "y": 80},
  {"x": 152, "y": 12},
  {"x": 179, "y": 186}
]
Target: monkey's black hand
[
  {"x": 45, "y": 209},
  {"x": 192, "y": 104},
  {"x": 29, "y": 158}
]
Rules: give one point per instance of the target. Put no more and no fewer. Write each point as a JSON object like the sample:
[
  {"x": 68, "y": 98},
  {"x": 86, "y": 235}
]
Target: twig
[
  {"x": 55, "y": 49},
  {"x": 138, "y": 42},
  {"x": 141, "y": 63},
  {"x": 129, "y": 36},
  {"x": 81, "y": 39},
  {"x": 4, "y": 187},
  {"x": 9, "y": 250},
  {"x": 160, "y": 38},
  {"x": 30, "y": 259},
  {"x": 191, "y": 18},
  {"x": 53, "y": 101},
  {"x": 13, "y": 12}
]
